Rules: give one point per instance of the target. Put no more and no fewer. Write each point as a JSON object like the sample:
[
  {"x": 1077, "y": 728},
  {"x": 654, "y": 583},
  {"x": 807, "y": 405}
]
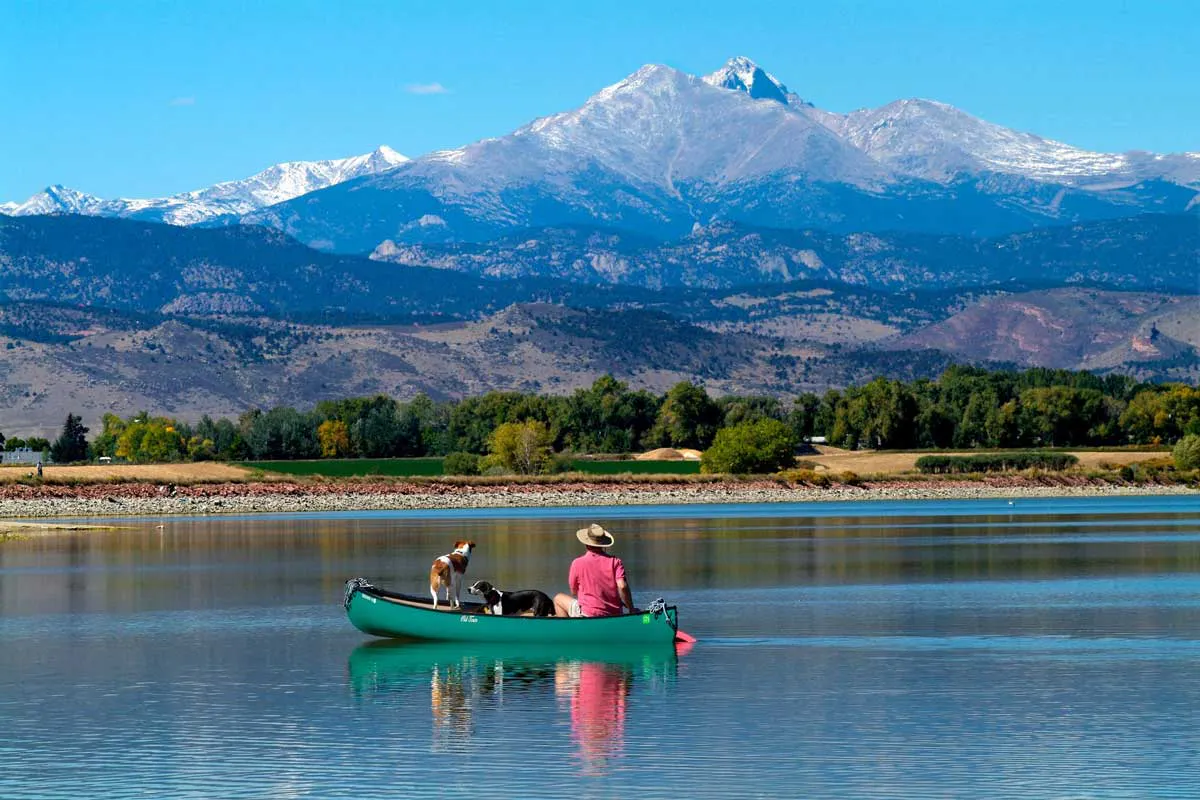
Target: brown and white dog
[{"x": 448, "y": 571}]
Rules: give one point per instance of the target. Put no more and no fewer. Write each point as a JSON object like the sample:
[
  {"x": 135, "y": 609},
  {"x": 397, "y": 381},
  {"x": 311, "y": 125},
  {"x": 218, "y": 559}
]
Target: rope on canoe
[
  {"x": 657, "y": 606},
  {"x": 354, "y": 585}
]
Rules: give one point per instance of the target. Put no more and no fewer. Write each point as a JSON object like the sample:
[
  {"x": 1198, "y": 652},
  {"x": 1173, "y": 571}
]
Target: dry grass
[
  {"x": 200, "y": 472},
  {"x": 830, "y": 461},
  {"x": 870, "y": 462}
]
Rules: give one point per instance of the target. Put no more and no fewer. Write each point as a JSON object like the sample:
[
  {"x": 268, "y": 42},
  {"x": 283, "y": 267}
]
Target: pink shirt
[{"x": 593, "y": 581}]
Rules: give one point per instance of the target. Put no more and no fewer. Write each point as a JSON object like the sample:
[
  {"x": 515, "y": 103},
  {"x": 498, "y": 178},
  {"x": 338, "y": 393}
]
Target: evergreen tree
[{"x": 72, "y": 444}]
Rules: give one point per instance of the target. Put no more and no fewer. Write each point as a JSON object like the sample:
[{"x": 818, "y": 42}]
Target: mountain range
[
  {"x": 230, "y": 198},
  {"x": 662, "y": 151}
]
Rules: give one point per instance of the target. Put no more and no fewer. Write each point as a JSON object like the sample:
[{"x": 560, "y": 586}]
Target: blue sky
[{"x": 142, "y": 99}]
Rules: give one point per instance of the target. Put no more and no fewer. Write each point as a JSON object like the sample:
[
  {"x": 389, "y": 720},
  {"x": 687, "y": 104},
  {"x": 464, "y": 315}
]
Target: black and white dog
[{"x": 507, "y": 604}]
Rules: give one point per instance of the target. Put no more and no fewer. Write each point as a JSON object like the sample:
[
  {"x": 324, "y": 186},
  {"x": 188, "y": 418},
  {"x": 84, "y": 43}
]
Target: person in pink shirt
[{"x": 597, "y": 580}]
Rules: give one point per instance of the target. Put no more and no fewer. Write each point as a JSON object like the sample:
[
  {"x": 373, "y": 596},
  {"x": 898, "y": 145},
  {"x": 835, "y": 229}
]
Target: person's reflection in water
[{"x": 598, "y": 694}]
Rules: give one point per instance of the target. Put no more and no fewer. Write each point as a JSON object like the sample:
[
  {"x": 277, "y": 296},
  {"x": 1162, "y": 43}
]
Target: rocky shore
[{"x": 145, "y": 499}]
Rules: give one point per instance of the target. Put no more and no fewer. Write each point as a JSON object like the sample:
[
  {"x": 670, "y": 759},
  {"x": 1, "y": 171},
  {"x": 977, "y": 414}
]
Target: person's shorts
[{"x": 575, "y": 611}]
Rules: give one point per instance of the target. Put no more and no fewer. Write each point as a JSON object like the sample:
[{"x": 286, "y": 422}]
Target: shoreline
[{"x": 149, "y": 500}]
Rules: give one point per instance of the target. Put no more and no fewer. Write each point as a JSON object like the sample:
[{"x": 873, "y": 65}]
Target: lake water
[{"x": 1044, "y": 649}]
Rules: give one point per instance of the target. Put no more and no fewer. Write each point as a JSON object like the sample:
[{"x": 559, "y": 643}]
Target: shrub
[
  {"x": 807, "y": 476},
  {"x": 493, "y": 465},
  {"x": 461, "y": 464},
  {"x": 560, "y": 463},
  {"x": 760, "y": 447},
  {"x": 1187, "y": 452},
  {"x": 996, "y": 462}
]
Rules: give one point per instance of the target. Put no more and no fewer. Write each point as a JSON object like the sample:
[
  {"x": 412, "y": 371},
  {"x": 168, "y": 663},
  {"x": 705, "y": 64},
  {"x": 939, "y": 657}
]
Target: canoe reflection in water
[{"x": 472, "y": 687}]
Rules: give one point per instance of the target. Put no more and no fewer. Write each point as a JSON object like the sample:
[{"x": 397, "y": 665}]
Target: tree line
[{"x": 965, "y": 407}]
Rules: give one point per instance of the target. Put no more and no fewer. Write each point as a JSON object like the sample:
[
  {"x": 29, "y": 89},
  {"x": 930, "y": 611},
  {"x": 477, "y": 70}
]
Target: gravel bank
[{"x": 106, "y": 500}]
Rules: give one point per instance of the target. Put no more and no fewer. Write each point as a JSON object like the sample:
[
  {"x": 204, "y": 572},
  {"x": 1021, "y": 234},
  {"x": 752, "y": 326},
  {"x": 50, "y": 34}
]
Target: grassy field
[
  {"x": 829, "y": 459},
  {"x": 198, "y": 472},
  {"x": 887, "y": 462},
  {"x": 351, "y": 467}
]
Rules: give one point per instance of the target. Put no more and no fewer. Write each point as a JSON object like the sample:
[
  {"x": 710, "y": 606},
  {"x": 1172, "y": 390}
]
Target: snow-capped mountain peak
[
  {"x": 742, "y": 75},
  {"x": 273, "y": 185},
  {"x": 659, "y": 129},
  {"x": 55, "y": 199}
]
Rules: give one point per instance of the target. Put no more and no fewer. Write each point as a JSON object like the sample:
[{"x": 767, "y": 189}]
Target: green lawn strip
[{"x": 352, "y": 467}]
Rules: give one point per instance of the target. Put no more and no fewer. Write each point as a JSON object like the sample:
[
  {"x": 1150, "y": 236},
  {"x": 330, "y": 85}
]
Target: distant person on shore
[{"x": 597, "y": 580}]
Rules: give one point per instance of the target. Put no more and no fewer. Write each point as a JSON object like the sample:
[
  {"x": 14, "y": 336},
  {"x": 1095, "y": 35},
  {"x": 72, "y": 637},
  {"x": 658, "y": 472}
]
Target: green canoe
[{"x": 380, "y": 612}]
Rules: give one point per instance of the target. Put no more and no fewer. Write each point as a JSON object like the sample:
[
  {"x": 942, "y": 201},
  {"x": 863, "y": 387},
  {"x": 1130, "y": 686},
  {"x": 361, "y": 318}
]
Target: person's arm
[
  {"x": 573, "y": 581},
  {"x": 626, "y": 594}
]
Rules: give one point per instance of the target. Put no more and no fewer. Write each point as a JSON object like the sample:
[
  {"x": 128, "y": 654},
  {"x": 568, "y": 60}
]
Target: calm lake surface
[{"x": 974, "y": 649}]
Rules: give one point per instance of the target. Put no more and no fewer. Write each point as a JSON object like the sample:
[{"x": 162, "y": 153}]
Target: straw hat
[{"x": 595, "y": 536}]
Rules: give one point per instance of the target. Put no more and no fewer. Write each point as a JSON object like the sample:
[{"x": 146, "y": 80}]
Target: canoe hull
[{"x": 387, "y": 614}]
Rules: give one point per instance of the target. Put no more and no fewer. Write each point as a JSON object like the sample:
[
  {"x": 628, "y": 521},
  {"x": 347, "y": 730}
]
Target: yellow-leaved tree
[
  {"x": 523, "y": 447},
  {"x": 334, "y": 437}
]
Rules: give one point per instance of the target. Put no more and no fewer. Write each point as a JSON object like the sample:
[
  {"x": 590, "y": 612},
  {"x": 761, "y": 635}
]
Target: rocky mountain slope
[
  {"x": 1160, "y": 252},
  {"x": 229, "y": 198},
  {"x": 1071, "y": 328},
  {"x": 150, "y": 268}
]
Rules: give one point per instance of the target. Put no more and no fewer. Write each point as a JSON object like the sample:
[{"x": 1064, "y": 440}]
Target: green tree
[
  {"x": 1187, "y": 452},
  {"x": 827, "y": 414},
  {"x": 432, "y": 425},
  {"x": 750, "y": 408},
  {"x": 880, "y": 415},
  {"x": 523, "y": 447},
  {"x": 972, "y": 429},
  {"x": 1143, "y": 417},
  {"x": 282, "y": 433},
  {"x": 760, "y": 447},
  {"x": 1061, "y": 415},
  {"x": 71, "y": 444},
  {"x": 472, "y": 420},
  {"x": 608, "y": 418},
  {"x": 111, "y": 429},
  {"x": 688, "y": 417},
  {"x": 803, "y": 416},
  {"x": 934, "y": 427},
  {"x": 227, "y": 442}
]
